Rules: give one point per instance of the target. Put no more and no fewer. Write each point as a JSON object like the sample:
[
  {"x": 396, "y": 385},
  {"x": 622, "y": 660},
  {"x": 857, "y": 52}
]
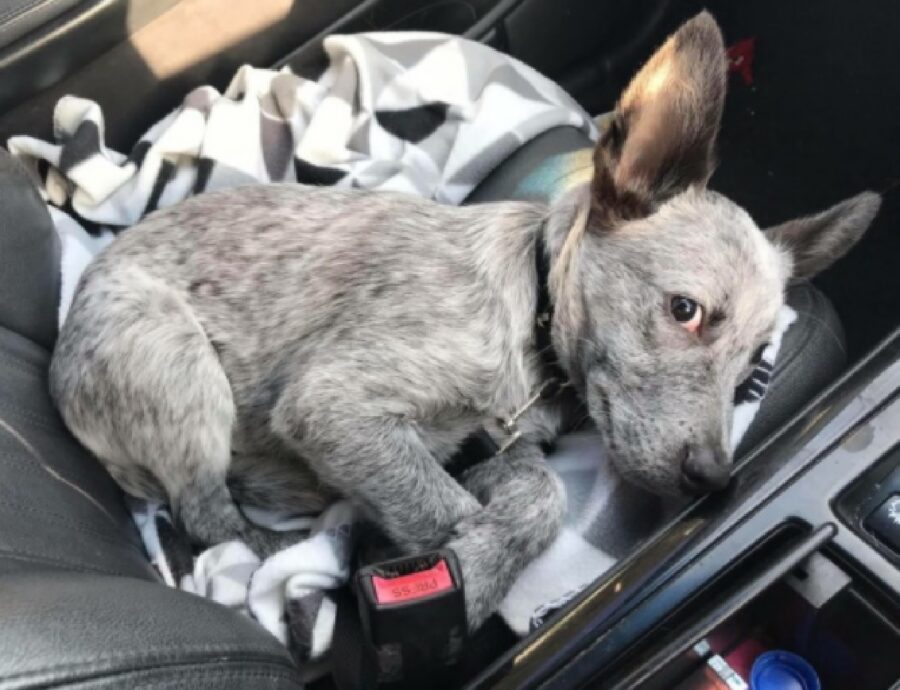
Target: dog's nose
[{"x": 704, "y": 469}]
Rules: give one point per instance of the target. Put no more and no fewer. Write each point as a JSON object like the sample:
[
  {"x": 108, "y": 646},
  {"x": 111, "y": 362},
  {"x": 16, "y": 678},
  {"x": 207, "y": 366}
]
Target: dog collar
[
  {"x": 543, "y": 319},
  {"x": 555, "y": 379}
]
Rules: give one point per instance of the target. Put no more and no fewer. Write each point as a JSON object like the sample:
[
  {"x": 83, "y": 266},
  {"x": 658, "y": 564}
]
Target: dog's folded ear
[
  {"x": 815, "y": 242},
  {"x": 662, "y": 136}
]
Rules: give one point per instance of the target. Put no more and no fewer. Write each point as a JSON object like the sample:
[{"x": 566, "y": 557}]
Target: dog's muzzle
[{"x": 704, "y": 469}]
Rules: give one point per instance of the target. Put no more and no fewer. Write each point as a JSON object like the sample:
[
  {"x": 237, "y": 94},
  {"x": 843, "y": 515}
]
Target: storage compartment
[{"x": 836, "y": 623}]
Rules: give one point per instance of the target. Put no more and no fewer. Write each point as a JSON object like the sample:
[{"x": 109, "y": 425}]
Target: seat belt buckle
[{"x": 413, "y": 614}]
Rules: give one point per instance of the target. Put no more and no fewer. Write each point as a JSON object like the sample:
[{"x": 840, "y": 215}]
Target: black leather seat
[{"x": 79, "y": 604}]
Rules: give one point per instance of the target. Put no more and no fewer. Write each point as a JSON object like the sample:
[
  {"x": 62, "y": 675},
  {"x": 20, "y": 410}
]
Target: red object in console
[
  {"x": 413, "y": 586},
  {"x": 740, "y": 59}
]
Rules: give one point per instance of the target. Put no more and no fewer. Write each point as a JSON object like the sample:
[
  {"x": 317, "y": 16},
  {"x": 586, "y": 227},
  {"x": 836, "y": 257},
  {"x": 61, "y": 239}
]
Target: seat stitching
[
  {"x": 20, "y": 364},
  {"x": 24, "y": 349},
  {"x": 36, "y": 469},
  {"x": 206, "y": 672},
  {"x": 25, "y": 463},
  {"x": 72, "y": 524},
  {"x": 32, "y": 467},
  {"x": 30, "y": 417},
  {"x": 784, "y": 361},
  {"x": 52, "y": 472},
  {"x": 158, "y": 657},
  {"x": 31, "y": 557}
]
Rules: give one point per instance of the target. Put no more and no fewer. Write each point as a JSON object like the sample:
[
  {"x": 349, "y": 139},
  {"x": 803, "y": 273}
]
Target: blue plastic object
[{"x": 780, "y": 670}]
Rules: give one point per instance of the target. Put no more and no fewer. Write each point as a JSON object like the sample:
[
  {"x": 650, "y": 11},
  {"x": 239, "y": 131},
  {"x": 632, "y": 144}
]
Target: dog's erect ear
[
  {"x": 815, "y": 242},
  {"x": 663, "y": 133}
]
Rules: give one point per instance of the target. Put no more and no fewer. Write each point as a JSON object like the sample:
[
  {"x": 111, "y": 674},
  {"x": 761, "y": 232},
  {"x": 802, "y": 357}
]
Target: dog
[{"x": 292, "y": 344}]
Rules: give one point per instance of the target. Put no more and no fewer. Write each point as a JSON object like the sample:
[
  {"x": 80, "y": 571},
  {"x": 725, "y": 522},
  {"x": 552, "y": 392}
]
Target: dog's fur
[{"x": 304, "y": 343}]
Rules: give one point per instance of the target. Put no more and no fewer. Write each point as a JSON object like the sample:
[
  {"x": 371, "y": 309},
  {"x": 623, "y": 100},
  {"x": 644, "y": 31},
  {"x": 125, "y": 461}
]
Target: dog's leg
[
  {"x": 524, "y": 505},
  {"x": 144, "y": 390},
  {"x": 380, "y": 463},
  {"x": 508, "y": 512}
]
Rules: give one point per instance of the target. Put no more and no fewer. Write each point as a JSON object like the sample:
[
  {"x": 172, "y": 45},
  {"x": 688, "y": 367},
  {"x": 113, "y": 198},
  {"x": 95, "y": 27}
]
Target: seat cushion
[
  {"x": 80, "y": 604},
  {"x": 539, "y": 169},
  {"x": 58, "y": 507},
  {"x": 812, "y": 355},
  {"x": 29, "y": 258},
  {"x": 813, "y": 350},
  {"x": 82, "y": 630}
]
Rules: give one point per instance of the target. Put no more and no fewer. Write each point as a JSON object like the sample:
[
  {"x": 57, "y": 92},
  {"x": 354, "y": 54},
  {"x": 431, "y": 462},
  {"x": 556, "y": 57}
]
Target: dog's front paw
[
  {"x": 486, "y": 578},
  {"x": 434, "y": 528},
  {"x": 494, "y": 545},
  {"x": 490, "y": 562}
]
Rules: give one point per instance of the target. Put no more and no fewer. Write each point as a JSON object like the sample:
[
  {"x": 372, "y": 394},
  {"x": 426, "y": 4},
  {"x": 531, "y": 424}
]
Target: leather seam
[
  {"x": 72, "y": 524},
  {"x": 159, "y": 661},
  {"x": 38, "y": 459},
  {"x": 30, "y": 417},
  {"x": 813, "y": 326},
  {"x": 32, "y": 466},
  {"x": 205, "y": 671},
  {"x": 19, "y": 346},
  {"x": 787, "y": 366},
  {"x": 29, "y": 557},
  {"x": 23, "y": 365}
]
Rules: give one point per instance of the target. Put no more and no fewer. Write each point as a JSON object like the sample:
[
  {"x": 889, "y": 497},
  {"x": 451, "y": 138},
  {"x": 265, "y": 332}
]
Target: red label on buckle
[{"x": 413, "y": 586}]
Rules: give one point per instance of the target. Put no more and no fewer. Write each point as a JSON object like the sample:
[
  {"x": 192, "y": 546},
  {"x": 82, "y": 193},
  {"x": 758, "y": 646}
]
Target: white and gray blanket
[{"x": 426, "y": 114}]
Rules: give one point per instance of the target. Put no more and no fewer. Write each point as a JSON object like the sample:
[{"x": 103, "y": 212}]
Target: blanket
[{"x": 425, "y": 114}]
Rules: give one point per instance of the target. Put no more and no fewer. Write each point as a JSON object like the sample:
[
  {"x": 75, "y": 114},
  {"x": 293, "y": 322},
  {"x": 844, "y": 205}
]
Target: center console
[{"x": 801, "y": 554}]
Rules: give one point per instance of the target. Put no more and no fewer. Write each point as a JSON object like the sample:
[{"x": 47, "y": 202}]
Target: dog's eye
[{"x": 687, "y": 313}]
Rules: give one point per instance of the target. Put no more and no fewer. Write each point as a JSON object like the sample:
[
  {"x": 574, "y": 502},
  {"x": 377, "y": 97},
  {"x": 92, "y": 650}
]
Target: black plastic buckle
[{"x": 413, "y": 613}]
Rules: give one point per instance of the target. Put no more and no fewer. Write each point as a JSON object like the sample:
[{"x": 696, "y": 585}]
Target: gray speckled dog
[{"x": 299, "y": 343}]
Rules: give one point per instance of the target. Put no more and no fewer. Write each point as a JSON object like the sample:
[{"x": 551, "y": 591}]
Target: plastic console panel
[{"x": 800, "y": 477}]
